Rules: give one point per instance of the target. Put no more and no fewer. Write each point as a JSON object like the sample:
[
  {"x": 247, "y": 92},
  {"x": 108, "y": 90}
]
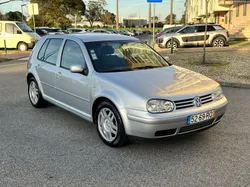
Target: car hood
[{"x": 170, "y": 82}]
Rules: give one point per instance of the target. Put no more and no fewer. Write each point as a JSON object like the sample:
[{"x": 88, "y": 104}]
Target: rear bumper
[{"x": 145, "y": 125}]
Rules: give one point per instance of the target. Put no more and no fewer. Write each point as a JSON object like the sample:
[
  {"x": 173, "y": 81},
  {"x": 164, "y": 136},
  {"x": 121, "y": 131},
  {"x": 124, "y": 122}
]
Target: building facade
[{"x": 234, "y": 15}]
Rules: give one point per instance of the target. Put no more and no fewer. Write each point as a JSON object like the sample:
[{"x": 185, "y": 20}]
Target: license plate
[{"x": 197, "y": 118}]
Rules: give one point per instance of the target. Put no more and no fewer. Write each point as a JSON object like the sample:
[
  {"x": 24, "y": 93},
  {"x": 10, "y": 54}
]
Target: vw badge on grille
[{"x": 197, "y": 101}]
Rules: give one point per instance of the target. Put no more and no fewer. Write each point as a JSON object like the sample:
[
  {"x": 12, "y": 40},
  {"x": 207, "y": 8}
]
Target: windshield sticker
[{"x": 93, "y": 55}]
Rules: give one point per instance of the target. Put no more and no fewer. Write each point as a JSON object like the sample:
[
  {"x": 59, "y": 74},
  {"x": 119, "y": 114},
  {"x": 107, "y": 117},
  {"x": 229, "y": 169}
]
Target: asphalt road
[{"x": 52, "y": 147}]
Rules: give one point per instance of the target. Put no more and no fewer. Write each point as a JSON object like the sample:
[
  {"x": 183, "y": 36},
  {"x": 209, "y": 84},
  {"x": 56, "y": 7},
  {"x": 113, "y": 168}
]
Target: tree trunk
[{"x": 205, "y": 35}]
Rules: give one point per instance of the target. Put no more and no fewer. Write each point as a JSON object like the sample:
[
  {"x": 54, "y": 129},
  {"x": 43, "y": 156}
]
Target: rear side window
[
  {"x": 218, "y": 27},
  {"x": 51, "y": 51},
  {"x": 42, "y": 50},
  {"x": 0, "y": 27}
]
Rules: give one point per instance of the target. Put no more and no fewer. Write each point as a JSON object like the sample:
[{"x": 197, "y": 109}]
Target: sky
[{"x": 126, "y": 8}]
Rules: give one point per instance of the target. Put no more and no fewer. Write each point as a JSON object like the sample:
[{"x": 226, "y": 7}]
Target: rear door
[
  {"x": 46, "y": 68},
  {"x": 210, "y": 33}
]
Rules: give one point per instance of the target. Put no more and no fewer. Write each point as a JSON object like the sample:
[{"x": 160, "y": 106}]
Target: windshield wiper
[
  {"x": 146, "y": 67},
  {"x": 116, "y": 70}
]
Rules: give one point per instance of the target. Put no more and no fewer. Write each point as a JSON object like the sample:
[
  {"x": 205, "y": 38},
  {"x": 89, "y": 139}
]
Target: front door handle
[{"x": 59, "y": 74}]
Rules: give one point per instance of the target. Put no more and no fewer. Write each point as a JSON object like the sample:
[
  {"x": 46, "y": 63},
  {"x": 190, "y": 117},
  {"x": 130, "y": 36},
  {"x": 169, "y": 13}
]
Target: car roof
[{"x": 92, "y": 37}]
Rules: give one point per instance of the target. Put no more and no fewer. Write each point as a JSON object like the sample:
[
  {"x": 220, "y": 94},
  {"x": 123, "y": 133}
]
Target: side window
[
  {"x": 42, "y": 50},
  {"x": 210, "y": 28},
  {"x": 201, "y": 29},
  {"x": 51, "y": 53},
  {"x": 72, "y": 55},
  {"x": 189, "y": 30}
]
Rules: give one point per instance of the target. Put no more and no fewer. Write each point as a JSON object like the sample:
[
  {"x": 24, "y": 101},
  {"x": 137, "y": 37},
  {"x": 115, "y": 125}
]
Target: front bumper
[{"x": 146, "y": 125}]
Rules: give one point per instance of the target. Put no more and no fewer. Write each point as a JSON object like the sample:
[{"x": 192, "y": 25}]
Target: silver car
[
  {"x": 193, "y": 35},
  {"x": 123, "y": 86}
]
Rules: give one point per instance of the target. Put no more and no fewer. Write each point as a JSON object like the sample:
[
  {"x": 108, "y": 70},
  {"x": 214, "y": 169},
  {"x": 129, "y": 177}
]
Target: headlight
[
  {"x": 218, "y": 94},
  {"x": 160, "y": 106}
]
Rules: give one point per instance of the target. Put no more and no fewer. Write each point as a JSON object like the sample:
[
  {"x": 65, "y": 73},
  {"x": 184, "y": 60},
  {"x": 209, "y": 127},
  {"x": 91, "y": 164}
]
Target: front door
[
  {"x": 189, "y": 36},
  {"x": 73, "y": 88},
  {"x": 46, "y": 68}
]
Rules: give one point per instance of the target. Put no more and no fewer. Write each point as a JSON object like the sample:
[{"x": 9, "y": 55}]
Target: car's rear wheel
[
  {"x": 175, "y": 44},
  {"x": 110, "y": 126},
  {"x": 35, "y": 95},
  {"x": 22, "y": 46},
  {"x": 219, "y": 42}
]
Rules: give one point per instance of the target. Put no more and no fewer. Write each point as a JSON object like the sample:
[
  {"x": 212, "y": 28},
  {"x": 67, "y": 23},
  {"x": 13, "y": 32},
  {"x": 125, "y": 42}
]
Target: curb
[{"x": 234, "y": 84}]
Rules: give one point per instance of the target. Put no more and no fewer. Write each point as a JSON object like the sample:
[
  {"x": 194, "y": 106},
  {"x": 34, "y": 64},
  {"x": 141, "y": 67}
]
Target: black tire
[
  {"x": 175, "y": 44},
  {"x": 121, "y": 137},
  {"x": 22, "y": 46},
  {"x": 218, "y": 42},
  {"x": 41, "y": 103}
]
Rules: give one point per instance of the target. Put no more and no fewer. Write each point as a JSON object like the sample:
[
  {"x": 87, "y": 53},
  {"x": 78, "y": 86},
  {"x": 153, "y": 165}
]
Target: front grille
[
  {"x": 187, "y": 103},
  {"x": 165, "y": 132},
  {"x": 196, "y": 126},
  {"x": 206, "y": 99}
]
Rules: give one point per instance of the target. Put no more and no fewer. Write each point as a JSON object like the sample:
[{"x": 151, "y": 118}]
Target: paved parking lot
[{"x": 51, "y": 147}]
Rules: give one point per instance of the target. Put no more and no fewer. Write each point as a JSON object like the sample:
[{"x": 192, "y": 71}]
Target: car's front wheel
[
  {"x": 219, "y": 42},
  {"x": 35, "y": 95},
  {"x": 22, "y": 46},
  {"x": 110, "y": 126},
  {"x": 175, "y": 44}
]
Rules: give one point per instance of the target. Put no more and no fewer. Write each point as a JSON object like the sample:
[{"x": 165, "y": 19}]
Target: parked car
[
  {"x": 138, "y": 32},
  {"x": 129, "y": 33},
  {"x": 193, "y": 35},
  {"x": 101, "y": 31},
  {"x": 17, "y": 35},
  {"x": 112, "y": 31},
  {"x": 123, "y": 86},
  {"x": 41, "y": 32},
  {"x": 52, "y": 31},
  {"x": 77, "y": 30},
  {"x": 146, "y": 32}
]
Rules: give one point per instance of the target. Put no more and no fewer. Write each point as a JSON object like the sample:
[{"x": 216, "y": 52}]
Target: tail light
[
  {"x": 228, "y": 34},
  {"x": 159, "y": 35}
]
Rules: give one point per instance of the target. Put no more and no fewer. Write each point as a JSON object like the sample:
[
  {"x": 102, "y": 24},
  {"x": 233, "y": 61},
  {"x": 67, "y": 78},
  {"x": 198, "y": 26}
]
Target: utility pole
[
  {"x": 149, "y": 15},
  {"x": 171, "y": 12},
  {"x": 117, "y": 15}
]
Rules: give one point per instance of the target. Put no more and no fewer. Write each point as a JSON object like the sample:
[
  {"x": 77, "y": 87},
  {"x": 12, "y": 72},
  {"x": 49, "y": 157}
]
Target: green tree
[
  {"x": 14, "y": 16},
  {"x": 108, "y": 18},
  {"x": 95, "y": 10},
  {"x": 167, "y": 19},
  {"x": 53, "y": 13},
  {"x": 183, "y": 20}
]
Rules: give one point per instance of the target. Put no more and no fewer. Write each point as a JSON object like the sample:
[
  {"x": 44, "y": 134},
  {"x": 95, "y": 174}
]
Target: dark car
[
  {"x": 146, "y": 32},
  {"x": 41, "y": 32}
]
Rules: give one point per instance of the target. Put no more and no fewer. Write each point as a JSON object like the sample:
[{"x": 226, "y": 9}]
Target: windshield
[
  {"x": 114, "y": 56},
  {"x": 24, "y": 27}
]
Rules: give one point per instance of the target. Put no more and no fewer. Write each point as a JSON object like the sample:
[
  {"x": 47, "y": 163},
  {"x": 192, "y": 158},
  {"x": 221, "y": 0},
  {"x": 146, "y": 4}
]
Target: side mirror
[
  {"x": 18, "y": 32},
  {"x": 79, "y": 69}
]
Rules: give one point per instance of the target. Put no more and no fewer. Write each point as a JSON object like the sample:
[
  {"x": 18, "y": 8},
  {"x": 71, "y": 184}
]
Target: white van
[{"x": 17, "y": 35}]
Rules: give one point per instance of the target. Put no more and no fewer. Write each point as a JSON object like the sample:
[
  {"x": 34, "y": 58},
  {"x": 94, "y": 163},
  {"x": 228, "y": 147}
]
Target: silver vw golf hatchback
[{"x": 123, "y": 86}]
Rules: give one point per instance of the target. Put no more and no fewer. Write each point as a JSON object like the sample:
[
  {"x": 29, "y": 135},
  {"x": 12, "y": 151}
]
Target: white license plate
[{"x": 197, "y": 118}]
